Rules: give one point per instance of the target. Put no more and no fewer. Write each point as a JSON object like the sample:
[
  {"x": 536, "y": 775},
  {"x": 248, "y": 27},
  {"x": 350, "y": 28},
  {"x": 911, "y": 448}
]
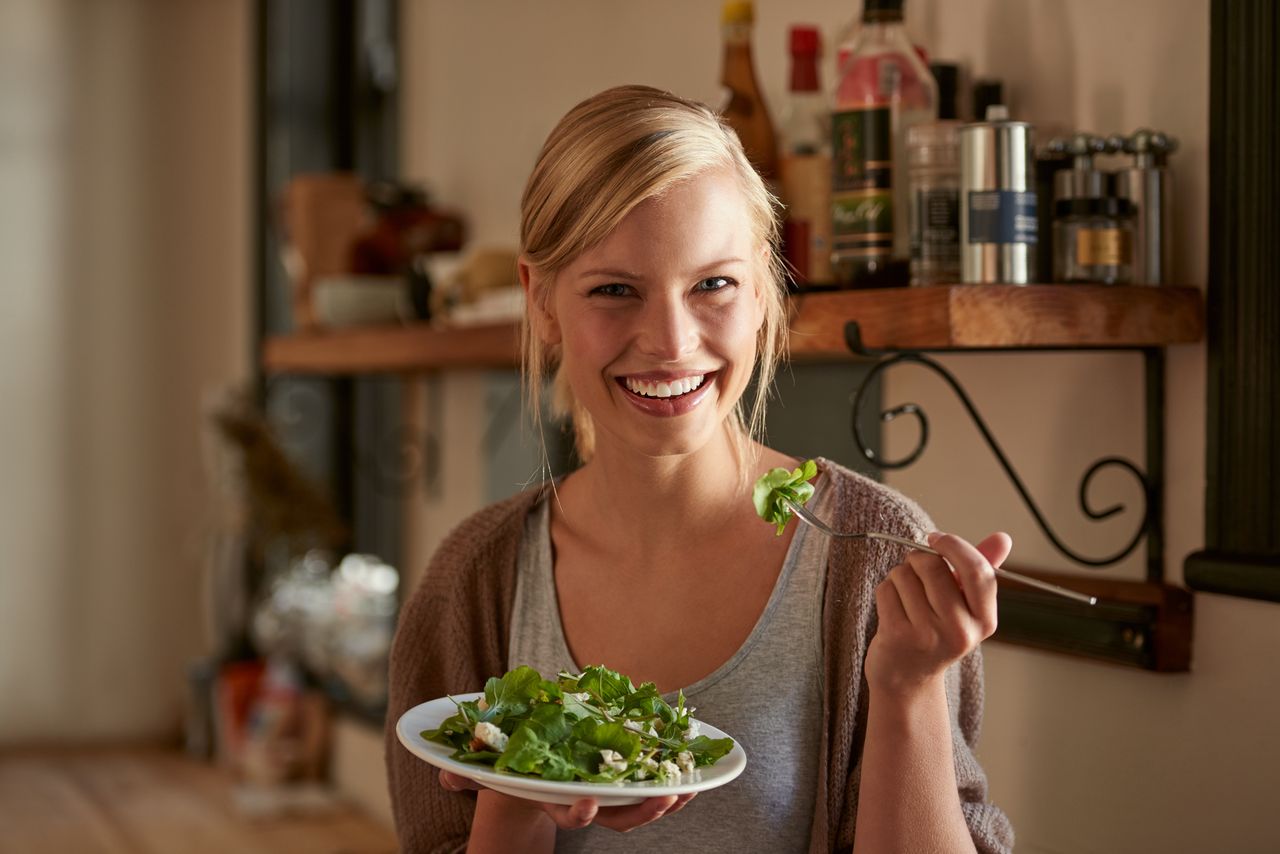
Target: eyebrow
[{"x": 613, "y": 273}]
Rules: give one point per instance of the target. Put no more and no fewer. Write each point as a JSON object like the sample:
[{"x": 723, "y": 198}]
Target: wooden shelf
[
  {"x": 1142, "y": 624},
  {"x": 392, "y": 349},
  {"x": 967, "y": 317},
  {"x": 945, "y": 317}
]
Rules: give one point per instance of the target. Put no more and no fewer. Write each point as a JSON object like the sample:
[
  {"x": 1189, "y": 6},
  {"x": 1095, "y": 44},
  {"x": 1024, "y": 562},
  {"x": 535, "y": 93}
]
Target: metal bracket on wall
[{"x": 1146, "y": 624}]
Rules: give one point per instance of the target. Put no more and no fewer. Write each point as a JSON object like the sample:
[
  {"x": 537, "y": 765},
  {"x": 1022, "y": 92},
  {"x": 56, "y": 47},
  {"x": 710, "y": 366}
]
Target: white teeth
[{"x": 675, "y": 388}]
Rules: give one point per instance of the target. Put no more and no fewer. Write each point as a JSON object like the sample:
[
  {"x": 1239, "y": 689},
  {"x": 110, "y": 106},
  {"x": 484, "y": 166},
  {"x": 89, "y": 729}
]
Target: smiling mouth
[{"x": 663, "y": 390}]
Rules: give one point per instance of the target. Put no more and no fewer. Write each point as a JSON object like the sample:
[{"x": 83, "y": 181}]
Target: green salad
[
  {"x": 595, "y": 727},
  {"x": 777, "y": 484}
]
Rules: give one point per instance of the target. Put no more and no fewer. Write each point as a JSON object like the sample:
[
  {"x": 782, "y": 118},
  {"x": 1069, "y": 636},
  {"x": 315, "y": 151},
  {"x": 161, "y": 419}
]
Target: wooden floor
[{"x": 153, "y": 801}]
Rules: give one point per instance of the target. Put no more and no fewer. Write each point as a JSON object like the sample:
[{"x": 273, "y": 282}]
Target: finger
[
  {"x": 996, "y": 548},
  {"x": 974, "y": 572},
  {"x": 889, "y": 605},
  {"x": 573, "y": 816},
  {"x": 635, "y": 815},
  {"x": 941, "y": 587},
  {"x": 680, "y": 802},
  {"x": 457, "y": 783},
  {"x": 911, "y": 591}
]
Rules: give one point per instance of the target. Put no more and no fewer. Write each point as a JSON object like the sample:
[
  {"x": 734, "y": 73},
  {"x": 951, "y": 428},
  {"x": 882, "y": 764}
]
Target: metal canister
[
  {"x": 1148, "y": 183},
  {"x": 998, "y": 223}
]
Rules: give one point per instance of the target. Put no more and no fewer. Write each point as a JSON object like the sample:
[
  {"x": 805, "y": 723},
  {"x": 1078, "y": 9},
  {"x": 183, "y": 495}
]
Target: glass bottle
[
  {"x": 804, "y": 180},
  {"x": 885, "y": 88},
  {"x": 933, "y": 164},
  {"x": 744, "y": 109}
]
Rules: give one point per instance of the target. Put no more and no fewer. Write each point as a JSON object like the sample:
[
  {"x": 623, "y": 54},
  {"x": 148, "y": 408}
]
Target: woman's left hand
[{"x": 931, "y": 616}]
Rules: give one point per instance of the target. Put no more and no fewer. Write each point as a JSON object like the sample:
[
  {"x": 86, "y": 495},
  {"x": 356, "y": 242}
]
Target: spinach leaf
[
  {"x": 778, "y": 484},
  {"x": 707, "y": 750},
  {"x": 512, "y": 694}
]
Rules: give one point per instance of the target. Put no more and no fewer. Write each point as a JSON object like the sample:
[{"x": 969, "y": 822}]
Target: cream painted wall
[
  {"x": 1085, "y": 757},
  {"x": 125, "y": 246}
]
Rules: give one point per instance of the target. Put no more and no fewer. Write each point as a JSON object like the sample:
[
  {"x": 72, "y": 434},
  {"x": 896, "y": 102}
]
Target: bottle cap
[
  {"x": 947, "y": 76},
  {"x": 986, "y": 93},
  {"x": 870, "y": 6},
  {"x": 738, "y": 12},
  {"x": 804, "y": 40}
]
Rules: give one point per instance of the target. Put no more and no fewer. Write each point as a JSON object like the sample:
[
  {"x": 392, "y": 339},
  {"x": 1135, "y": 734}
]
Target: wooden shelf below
[{"x": 945, "y": 317}]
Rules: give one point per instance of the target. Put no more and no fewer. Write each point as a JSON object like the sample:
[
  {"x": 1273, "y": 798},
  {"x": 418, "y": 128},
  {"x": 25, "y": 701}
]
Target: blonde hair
[{"x": 608, "y": 154}]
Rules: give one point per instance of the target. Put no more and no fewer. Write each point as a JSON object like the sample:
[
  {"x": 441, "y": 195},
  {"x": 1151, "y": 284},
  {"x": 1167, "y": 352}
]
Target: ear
[{"x": 538, "y": 302}]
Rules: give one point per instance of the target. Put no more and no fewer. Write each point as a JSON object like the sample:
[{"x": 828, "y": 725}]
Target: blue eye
[
  {"x": 613, "y": 289},
  {"x": 715, "y": 283}
]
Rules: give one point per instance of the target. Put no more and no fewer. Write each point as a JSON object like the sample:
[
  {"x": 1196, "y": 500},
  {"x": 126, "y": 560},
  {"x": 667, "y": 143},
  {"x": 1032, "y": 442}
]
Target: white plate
[{"x": 430, "y": 715}]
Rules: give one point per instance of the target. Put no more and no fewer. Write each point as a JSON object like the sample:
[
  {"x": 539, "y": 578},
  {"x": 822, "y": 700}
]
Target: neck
[{"x": 628, "y": 497}]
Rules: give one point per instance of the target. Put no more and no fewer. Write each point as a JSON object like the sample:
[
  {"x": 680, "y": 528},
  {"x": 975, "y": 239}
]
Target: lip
[
  {"x": 662, "y": 376},
  {"x": 667, "y": 407}
]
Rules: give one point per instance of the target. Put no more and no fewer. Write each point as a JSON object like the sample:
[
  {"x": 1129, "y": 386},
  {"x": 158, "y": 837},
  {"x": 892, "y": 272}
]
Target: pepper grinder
[
  {"x": 1083, "y": 180},
  {"x": 1148, "y": 184}
]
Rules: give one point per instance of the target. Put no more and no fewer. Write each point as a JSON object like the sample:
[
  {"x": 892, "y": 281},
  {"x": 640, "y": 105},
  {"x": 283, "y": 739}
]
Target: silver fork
[{"x": 805, "y": 515}]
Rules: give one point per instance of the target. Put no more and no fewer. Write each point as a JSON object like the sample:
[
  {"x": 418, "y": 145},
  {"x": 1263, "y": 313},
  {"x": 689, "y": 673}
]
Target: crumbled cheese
[
  {"x": 684, "y": 761},
  {"x": 695, "y": 728},
  {"x": 612, "y": 760},
  {"x": 669, "y": 770},
  {"x": 491, "y": 735},
  {"x": 648, "y": 766},
  {"x": 581, "y": 696}
]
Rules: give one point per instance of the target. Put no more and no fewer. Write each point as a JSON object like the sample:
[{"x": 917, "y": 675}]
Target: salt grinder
[
  {"x": 1083, "y": 180},
  {"x": 1148, "y": 184}
]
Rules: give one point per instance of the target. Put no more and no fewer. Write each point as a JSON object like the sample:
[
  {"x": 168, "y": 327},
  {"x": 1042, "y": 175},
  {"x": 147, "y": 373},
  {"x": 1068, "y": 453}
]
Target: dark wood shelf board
[
  {"x": 393, "y": 349},
  {"x": 962, "y": 317},
  {"x": 1135, "y": 623}
]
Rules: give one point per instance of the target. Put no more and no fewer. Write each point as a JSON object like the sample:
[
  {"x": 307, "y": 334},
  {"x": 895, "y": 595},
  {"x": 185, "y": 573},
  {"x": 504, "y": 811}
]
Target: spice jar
[
  {"x": 1093, "y": 240},
  {"x": 933, "y": 173}
]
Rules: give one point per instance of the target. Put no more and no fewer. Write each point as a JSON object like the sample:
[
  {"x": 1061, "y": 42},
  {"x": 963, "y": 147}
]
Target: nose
[{"x": 669, "y": 329}]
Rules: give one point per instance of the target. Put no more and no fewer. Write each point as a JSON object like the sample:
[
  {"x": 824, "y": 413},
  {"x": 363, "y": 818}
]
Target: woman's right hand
[{"x": 584, "y": 811}]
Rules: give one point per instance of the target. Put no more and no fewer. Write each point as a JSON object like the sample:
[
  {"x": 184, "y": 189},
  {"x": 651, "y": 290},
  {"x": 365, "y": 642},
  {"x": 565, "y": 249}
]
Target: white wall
[
  {"x": 1085, "y": 757},
  {"x": 126, "y": 249}
]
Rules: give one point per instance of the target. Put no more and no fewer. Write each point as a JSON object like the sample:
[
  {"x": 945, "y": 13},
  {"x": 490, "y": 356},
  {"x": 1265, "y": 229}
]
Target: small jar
[
  {"x": 1093, "y": 241},
  {"x": 933, "y": 175}
]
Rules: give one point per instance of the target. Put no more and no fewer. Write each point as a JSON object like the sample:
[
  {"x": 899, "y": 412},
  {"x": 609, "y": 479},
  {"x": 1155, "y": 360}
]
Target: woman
[{"x": 848, "y": 670}]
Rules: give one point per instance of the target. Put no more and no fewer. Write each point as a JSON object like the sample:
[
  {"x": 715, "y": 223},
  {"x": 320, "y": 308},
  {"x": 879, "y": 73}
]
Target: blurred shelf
[
  {"x": 392, "y": 349},
  {"x": 943, "y": 317}
]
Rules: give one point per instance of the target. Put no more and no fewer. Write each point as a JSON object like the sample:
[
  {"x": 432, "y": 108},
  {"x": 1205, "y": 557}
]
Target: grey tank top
[{"x": 768, "y": 696}]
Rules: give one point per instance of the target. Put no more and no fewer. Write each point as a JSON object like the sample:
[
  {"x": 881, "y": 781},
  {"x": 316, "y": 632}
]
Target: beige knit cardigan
[{"x": 453, "y": 635}]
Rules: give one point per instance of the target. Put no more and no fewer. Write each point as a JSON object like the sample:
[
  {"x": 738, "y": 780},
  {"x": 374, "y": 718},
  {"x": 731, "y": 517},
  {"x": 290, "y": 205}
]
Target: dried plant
[{"x": 284, "y": 505}]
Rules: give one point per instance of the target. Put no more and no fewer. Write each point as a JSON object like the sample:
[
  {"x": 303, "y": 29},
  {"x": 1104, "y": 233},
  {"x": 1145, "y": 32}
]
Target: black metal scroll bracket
[{"x": 1149, "y": 518}]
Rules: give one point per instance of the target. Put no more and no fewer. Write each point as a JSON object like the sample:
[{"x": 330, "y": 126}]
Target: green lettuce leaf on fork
[{"x": 778, "y": 484}]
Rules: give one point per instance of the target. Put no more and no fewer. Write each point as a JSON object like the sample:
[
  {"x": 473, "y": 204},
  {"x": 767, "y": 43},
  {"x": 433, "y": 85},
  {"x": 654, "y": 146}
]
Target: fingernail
[
  {"x": 933, "y": 537},
  {"x": 584, "y": 811}
]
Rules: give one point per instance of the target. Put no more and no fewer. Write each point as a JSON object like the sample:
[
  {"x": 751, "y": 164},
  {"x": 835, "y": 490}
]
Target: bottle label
[
  {"x": 861, "y": 182},
  {"x": 935, "y": 225},
  {"x": 1102, "y": 247},
  {"x": 1002, "y": 216}
]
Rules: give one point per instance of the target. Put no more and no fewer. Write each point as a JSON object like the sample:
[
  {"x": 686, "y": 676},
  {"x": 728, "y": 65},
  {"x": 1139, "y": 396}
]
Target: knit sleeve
[
  {"x": 988, "y": 825},
  {"x": 428, "y": 819},
  {"x": 870, "y": 506},
  {"x": 451, "y": 636}
]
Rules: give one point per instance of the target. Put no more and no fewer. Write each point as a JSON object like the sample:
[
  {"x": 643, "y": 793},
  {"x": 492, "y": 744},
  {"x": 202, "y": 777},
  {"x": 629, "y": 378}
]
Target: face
[{"x": 658, "y": 323}]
